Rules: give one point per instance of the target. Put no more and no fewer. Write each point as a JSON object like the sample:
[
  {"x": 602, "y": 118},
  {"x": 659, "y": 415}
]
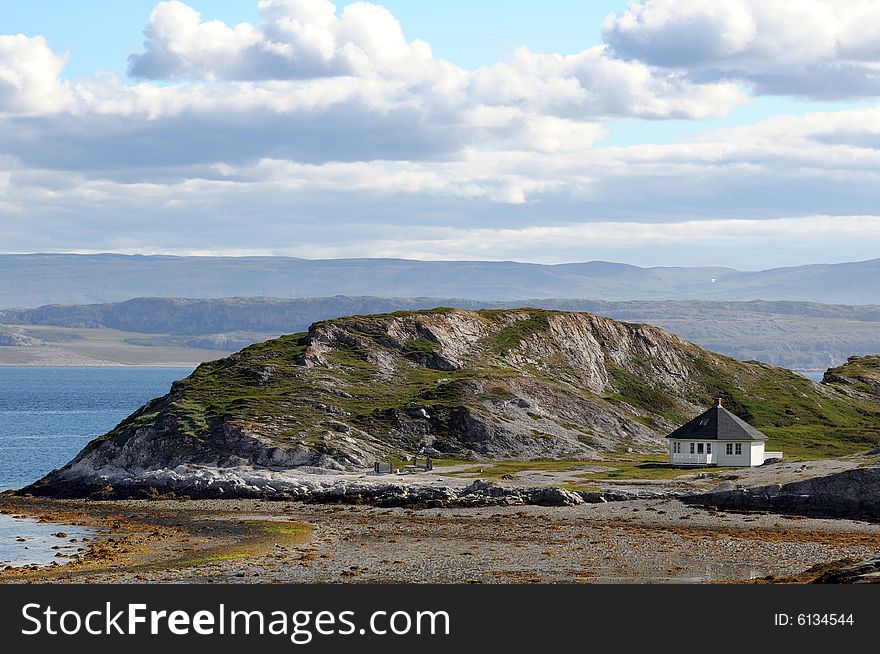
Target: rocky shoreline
[
  {"x": 826, "y": 489},
  {"x": 861, "y": 572},
  {"x": 852, "y": 494},
  {"x": 322, "y": 487}
]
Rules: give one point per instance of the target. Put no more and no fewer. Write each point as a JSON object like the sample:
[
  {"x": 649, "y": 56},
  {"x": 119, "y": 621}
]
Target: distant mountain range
[
  {"x": 36, "y": 279},
  {"x": 799, "y": 335}
]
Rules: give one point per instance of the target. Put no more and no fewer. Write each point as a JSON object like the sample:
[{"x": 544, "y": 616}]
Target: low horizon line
[{"x": 413, "y": 260}]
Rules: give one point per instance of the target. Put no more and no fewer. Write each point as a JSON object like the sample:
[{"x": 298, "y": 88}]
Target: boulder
[{"x": 554, "y": 497}]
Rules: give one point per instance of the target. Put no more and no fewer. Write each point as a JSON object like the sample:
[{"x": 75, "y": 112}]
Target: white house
[{"x": 718, "y": 438}]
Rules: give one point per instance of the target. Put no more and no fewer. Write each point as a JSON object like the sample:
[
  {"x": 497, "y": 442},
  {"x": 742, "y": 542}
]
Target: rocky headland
[{"x": 298, "y": 417}]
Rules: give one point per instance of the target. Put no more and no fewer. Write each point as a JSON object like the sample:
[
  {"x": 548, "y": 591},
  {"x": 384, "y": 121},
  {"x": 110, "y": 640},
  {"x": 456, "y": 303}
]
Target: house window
[
  {"x": 739, "y": 449},
  {"x": 699, "y": 448},
  {"x": 693, "y": 445},
  {"x": 708, "y": 448},
  {"x": 676, "y": 448},
  {"x": 729, "y": 449}
]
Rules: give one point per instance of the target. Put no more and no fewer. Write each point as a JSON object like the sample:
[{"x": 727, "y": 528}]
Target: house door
[{"x": 699, "y": 448}]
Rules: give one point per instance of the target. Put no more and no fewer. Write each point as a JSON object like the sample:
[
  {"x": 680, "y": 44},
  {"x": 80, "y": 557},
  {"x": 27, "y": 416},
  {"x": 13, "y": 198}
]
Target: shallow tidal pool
[{"x": 24, "y": 541}]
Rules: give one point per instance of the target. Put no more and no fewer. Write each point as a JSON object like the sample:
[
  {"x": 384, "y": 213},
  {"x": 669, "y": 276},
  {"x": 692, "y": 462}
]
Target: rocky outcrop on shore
[
  {"x": 862, "y": 572},
  {"x": 851, "y": 494},
  {"x": 316, "y": 485},
  {"x": 14, "y": 339}
]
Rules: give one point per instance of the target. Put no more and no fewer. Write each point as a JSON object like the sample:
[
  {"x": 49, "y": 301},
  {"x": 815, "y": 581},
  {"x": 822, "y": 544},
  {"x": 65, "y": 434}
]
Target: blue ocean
[{"x": 47, "y": 415}]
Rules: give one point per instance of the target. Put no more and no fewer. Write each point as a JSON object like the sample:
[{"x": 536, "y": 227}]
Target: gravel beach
[{"x": 640, "y": 541}]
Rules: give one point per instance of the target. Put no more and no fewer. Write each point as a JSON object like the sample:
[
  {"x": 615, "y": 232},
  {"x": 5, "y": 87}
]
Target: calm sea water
[{"x": 47, "y": 415}]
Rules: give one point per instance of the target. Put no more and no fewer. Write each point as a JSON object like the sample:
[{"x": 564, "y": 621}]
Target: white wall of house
[
  {"x": 751, "y": 452},
  {"x": 757, "y": 453},
  {"x": 707, "y": 455}
]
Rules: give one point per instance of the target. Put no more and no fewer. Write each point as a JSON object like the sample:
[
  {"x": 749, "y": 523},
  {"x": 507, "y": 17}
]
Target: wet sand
[{"x": 645, "y": 541}]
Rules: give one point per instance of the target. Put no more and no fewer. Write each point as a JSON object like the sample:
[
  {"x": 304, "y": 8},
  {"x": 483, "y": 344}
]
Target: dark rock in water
[
  {"x": 864, "y": 572},
  {"x": 851, "y": 494}
]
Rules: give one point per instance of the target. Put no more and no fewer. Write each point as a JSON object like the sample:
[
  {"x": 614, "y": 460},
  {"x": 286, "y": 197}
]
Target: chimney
[{"x": 718, "y": 401}]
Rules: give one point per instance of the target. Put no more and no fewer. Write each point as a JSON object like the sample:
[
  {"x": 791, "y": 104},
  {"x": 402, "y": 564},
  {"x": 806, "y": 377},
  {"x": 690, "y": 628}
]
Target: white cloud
[
  {"x": 534, "y": 102},
  {"x": 30, "y": 76},
  {"x": 816, "y": 48},
  {"x": 787, "y": 166},
  {"x": 328, "y": 133},
  {"x": 296, "y": 39},
  {"x": 313, "y": 84},
  {"x": 593, "y": 83},
  {"x": 308, "y": 39}
]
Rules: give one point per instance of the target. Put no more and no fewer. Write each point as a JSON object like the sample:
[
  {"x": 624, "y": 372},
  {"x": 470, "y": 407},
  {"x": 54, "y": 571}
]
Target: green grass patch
[
  {"x": 419, "y": 346},
  {"x": 494, "y": 470},
  {"x": 298, "y": 531},
  {"x": 648, "y": 467},
  {"x": 510, "y": 336},
  {"x": 635, "y": 391}
]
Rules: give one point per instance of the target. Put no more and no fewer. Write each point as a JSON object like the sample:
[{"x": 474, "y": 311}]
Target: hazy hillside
[
  {"x": 33, "y": 280},
  {"x": 796, "y": 335}
]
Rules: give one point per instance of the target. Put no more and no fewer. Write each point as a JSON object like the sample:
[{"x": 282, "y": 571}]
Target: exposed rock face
[
  {"x": 469, "y": 384},
  {"x": 859, "y": 377},
  {"x": 308, "y": 484},
  {"x": 851, "y": 494},
  {"x": 14, "y": 339},
  {"x": 863, "y": 572}
]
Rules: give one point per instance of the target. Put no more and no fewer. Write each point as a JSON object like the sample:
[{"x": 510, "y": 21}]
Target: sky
[{"x": 660, "y": 132}]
